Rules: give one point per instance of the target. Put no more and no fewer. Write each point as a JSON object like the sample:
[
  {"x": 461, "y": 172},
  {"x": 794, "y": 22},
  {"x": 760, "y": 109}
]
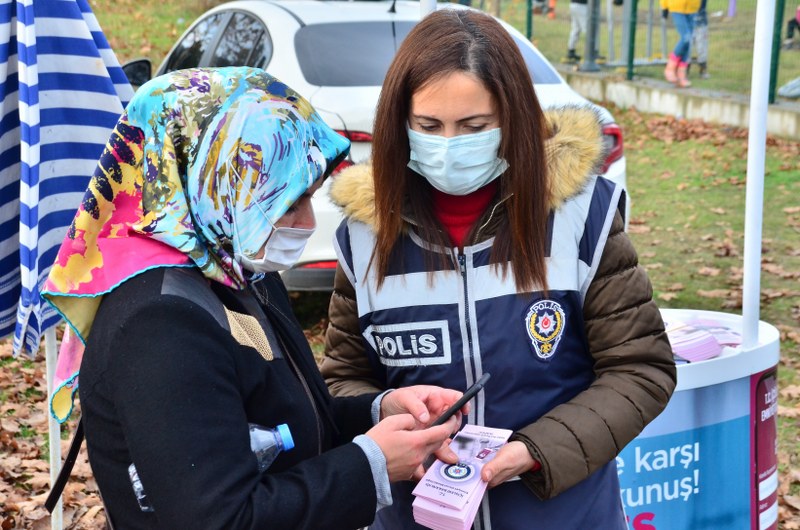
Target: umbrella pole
[
  {"x": 756, "y": 155},
  {"x": 54, "y": 435}
]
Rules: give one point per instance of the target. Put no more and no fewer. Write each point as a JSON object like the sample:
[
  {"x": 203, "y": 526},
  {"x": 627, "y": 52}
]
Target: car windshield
[{"x": 358, "y": 53}]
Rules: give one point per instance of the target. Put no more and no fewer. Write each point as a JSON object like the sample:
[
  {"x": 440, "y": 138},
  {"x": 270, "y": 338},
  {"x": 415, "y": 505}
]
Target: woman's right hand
[{"x": 405, "y": 448}]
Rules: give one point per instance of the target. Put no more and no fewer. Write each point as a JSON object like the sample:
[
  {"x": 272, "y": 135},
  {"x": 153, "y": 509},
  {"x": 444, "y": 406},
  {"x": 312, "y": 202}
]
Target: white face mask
[
  {"x": 283, "y": 249},
  {"x": 457, "y": 165}
]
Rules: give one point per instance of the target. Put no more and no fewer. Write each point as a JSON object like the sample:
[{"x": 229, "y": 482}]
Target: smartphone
[{"x": 469, "y": 394}]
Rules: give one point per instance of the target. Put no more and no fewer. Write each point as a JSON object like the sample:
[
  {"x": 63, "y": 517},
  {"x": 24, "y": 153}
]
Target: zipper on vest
[{"x": 462, "y": 265}]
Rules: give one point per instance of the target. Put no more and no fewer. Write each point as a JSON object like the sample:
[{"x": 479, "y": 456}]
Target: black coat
[{"x": 165, "y": 385}]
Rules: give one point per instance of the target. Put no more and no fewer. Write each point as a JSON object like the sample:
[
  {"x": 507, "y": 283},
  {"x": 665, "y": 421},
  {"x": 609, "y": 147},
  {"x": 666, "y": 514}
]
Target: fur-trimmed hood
[{"x": 574, "y": 153}]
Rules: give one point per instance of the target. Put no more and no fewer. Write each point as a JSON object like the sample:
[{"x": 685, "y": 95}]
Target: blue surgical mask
[{"x": 457, "y": 165}]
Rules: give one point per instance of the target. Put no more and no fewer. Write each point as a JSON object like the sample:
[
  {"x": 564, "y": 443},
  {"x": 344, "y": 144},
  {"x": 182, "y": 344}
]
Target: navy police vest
[{"x": 449, "y": 327}]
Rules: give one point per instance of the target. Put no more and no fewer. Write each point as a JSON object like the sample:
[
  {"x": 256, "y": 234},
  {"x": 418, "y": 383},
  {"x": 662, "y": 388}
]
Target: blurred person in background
[
  {"x": 542, "y": 7},
  {"x": 168, "y": 273},
  {"x": 700, "y": 40},
  {"x": 579, "y": 17},
  {"x": 480, "y": 239},
  {"x": 792, "y": 26},
  {"x": 579, "y": 23},
  {"x": 683, "y": 16}
]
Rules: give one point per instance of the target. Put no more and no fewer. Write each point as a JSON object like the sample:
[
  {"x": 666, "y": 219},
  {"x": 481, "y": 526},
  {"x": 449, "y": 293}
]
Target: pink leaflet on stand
[{"x": 700, "y": 339}]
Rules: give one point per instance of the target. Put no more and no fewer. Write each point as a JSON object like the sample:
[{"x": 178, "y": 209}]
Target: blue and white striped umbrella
[{"x": 61, "y": 92}]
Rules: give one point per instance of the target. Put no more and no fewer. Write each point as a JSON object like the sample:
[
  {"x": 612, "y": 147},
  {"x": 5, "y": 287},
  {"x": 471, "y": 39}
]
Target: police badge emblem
[
  {"x": 545, "y": 325},
  {"x": 457, "y": 472}
]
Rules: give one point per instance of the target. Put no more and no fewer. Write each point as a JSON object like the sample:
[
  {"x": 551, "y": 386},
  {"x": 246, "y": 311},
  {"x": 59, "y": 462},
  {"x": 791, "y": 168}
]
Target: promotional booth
[{"x": 710, "y": 459}]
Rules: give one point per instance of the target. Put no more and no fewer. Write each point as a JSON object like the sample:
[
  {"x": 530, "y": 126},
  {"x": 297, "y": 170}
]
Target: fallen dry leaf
[
  {"x": 778, "y": 270},
  {"x": 735, "y": 274},
  {"x": 92, "y": 514},
  {"x": 9, "y": 425},
  {"x": 639, "y": 229},
  {"x": 770, "y": 294},
  {"x": 792, "y": 500},
  {"x": 788, "y": 412},
  {"x": 714, "y": 293},
  {"x": 708, "y": 271},
  {"x": 792, "y": 392}
]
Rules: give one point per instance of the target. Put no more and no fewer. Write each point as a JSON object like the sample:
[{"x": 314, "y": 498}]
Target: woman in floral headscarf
[{"x": 167, "y": 275}]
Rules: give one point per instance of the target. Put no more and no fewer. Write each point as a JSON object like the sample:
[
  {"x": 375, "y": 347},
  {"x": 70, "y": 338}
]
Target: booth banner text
[{"x": 708, "y": 461}]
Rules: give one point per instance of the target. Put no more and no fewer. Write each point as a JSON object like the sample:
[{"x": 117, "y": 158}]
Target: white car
[{"x": 336, "y": 54}]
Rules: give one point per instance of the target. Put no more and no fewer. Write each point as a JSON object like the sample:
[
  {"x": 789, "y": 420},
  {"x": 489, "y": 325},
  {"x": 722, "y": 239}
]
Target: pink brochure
[{"x": 453, "y": 485}]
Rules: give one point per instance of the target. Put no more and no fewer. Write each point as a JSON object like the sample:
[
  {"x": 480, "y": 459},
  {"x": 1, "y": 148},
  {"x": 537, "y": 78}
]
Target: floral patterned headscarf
[{"x": 199, "y": 167}]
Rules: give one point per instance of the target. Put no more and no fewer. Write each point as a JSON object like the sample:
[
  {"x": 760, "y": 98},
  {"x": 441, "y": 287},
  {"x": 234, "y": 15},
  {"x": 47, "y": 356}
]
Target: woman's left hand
[
  {"x": 424, "y": 402},
  {"x": 511, "y": 460}
]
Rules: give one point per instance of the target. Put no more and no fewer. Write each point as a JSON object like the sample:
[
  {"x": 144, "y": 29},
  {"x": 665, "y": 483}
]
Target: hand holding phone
[{"x": 469, "y": 394}]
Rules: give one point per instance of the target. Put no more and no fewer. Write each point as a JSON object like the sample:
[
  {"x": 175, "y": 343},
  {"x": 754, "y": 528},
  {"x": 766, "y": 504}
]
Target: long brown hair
[{"x": 444, "y": 42}]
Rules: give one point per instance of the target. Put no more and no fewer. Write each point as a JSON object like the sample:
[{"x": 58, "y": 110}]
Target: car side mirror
[{"x": 138, "y": 71}]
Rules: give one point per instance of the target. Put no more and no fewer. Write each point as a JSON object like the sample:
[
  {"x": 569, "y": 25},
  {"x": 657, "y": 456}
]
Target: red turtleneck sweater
[{"x": 458, "y": 213}]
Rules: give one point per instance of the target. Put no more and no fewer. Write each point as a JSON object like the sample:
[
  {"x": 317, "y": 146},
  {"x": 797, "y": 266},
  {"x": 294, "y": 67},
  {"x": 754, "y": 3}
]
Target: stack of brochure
[
  {"x": 448, "y": 496},
  {"x": 698, "y": 340}
]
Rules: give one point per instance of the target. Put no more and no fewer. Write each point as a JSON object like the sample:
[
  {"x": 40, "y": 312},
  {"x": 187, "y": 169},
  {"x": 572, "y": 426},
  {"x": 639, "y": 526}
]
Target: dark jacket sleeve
[
  {"x": 353, "y": 415},
  {"x": 346, "y": 368},
  {"x": 177, "y": 394},
  {"x": 635, "y": 376}
]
